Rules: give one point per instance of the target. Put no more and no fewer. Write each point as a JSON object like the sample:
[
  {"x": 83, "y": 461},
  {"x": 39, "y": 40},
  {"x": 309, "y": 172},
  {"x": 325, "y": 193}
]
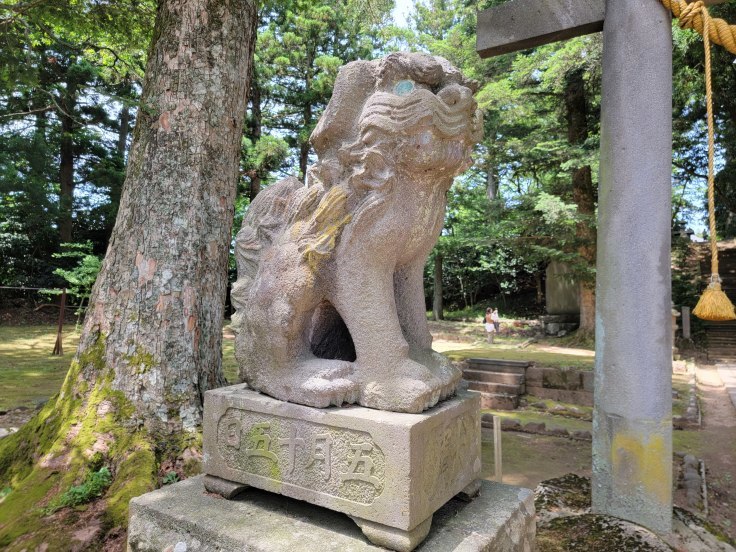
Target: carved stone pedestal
[{"x": 389, "y": 472}]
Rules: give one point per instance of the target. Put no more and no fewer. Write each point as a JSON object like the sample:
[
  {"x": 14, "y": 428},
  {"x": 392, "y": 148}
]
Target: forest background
[{"x": 70, "y": 81}]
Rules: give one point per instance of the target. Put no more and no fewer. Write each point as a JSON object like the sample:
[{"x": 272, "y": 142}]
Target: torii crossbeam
[{"x": 632, "y": 424}]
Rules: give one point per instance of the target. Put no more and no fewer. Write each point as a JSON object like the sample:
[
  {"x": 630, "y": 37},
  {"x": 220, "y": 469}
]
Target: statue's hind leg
[{"x": 273, "y": 347}]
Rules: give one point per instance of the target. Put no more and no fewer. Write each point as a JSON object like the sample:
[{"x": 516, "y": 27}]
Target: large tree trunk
[
  {"x": 583, "y": 194},
  {"x": 437, "y": 306},
  {"x": 584, "y": 198},
  {"x": 151, "y": 343}
]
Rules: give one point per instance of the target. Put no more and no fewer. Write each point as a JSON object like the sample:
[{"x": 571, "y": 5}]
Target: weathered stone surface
[
  {"x": 568, "y": 379},
  {"x": 499, "y": 401},
  {"x": 523, "y": 24},
  {"x": 561, "y": 289},
  {"x": 385, "y": 467},
  {"x": 508, "y": 424},
  {"x": 222, "y": 487},
  {"x": 535, "y": 427},
  {"x": 588, "y": 379},
  {"x": 583, "y": 398},
  {"x": 501, "y": 519},
  {"x": 632, "y": 445},
  {"x": 329, "y": 296}
]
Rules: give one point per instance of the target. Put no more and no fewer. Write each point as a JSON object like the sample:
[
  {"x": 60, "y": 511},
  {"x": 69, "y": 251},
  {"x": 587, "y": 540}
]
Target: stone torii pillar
[{"x": 632, "y": 427}]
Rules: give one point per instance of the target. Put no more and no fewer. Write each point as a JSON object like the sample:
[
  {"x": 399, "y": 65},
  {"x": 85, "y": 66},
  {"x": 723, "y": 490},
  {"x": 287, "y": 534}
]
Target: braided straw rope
[
  {"x": 694, "y": 16},
  {"x": 713, "y": 304}
]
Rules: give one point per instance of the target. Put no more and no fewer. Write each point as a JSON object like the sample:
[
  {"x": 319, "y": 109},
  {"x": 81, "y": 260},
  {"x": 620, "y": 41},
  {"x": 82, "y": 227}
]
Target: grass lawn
[
  {"x": 507, "y": 349},
  {"x": 29, "y": 373}
]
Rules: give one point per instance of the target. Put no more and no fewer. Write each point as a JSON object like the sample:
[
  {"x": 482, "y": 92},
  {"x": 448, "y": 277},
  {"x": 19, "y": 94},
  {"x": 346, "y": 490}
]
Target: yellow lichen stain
[
  {"x": 324, "y": 227},
  {"x": 641, "y": 461}
]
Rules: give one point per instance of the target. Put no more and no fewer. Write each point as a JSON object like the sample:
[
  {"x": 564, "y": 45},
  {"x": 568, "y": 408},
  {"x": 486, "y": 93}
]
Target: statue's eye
[{"x": 404, "y": 87}]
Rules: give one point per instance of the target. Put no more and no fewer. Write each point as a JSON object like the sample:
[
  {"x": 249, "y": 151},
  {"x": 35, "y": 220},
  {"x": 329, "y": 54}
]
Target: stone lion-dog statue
[{"x": 329, "y": 296}]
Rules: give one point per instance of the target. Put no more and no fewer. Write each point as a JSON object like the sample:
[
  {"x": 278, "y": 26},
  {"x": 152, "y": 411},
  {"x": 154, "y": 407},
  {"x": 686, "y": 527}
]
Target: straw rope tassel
[{"x": 714, "y": 303}]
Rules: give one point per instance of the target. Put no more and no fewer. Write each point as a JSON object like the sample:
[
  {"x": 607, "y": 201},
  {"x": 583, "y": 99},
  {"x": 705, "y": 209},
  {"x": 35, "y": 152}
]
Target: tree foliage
[{"x": 69, "y": 74}]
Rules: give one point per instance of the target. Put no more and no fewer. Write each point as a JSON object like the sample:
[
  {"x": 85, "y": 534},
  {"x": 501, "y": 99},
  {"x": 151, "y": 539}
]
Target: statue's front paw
[
  {"x": 442, "y": 369},
  {"x": 330, "y": 386},
  {"x": 406, "y": 386}
]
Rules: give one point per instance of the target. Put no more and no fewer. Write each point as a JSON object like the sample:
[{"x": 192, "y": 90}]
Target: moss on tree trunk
[{"x": 151, "y": 344}]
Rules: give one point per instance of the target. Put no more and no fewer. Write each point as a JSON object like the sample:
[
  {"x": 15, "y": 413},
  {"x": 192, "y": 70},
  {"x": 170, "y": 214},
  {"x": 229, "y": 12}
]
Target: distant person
[
  {"x": 496, "y": 320},
  {"x": 489, "y": 325}
]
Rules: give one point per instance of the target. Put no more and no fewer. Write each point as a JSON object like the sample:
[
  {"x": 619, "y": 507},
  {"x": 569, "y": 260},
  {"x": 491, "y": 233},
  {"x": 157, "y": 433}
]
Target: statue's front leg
[{"x": 388, "y": 378}]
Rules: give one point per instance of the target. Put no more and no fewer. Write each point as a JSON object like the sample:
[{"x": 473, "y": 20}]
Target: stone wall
[{"x": 560, "y": 384}]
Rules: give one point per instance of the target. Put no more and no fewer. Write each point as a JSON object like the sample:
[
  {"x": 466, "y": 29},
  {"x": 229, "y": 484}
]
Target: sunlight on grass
[
  {"x": 229, "y": 365},
  {"x": 29, "y": 373},
  {"x": 507, "y": 350},
  {"x": 552, "y": 421}
]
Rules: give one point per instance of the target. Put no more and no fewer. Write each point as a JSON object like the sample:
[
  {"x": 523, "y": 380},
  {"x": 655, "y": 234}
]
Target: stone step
[
  {"x": 721, "y": 351},
  {"x": 487, "y": 387},
  {"x": 498, "y": 365},
  {"x": 493, "y": 377},
  {"x": 721, "y": 344},
  {"x": 499, "y": 401}
]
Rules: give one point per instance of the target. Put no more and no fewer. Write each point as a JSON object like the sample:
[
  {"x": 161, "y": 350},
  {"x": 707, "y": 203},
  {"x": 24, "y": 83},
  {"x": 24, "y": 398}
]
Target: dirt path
[{"x": 718, "y": 447}]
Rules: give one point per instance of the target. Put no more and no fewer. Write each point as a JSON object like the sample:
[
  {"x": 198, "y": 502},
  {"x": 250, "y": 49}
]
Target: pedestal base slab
[{"x": 185, "y": 517}]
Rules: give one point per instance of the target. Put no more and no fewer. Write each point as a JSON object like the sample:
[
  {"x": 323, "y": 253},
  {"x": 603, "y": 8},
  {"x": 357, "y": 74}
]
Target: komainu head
[{"x": 407, "y": 112}]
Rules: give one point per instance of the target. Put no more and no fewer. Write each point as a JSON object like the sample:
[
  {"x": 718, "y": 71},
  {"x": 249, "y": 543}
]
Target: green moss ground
[
  {"x": 55, "y": 451},
  {"x": 527, "y": 416},
  {"x": 229, "y": 365}
]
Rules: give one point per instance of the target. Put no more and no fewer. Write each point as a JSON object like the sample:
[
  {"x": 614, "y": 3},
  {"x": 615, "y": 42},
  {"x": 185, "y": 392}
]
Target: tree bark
[
  {"x": 124, "y": 130},
  {"x": 583, "y": 193},
  {"x": 161, "y": 292},
  {"x": 540, "y": 287},
  {"x": 437, "y": 306},
  {"x": 491, "y": 182},
  {"x": 151, "y": 342}
]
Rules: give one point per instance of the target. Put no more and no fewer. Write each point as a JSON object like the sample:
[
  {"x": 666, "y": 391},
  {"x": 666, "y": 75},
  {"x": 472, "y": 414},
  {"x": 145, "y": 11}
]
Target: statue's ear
[{"x": 337, "y": 127}]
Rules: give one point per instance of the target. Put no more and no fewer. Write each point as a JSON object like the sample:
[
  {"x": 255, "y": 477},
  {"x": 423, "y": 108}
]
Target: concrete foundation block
[
  {"x": 389, "y": 471},
  {"x": 184, "y": 517}
]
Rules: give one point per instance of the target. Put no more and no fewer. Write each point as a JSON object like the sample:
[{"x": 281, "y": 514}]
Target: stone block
[
  {"x": 582, "y": 398},
  {"x": 377, "y": 466},
  {"x": 588, "y": 379},
  {"x": 535, "y": 376},
  {"x": 499, "y": 401},
  {"x": 184, "y": 517},
  {"x": 558, "y": 378},
  {"x": 524, "y": 24}
]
